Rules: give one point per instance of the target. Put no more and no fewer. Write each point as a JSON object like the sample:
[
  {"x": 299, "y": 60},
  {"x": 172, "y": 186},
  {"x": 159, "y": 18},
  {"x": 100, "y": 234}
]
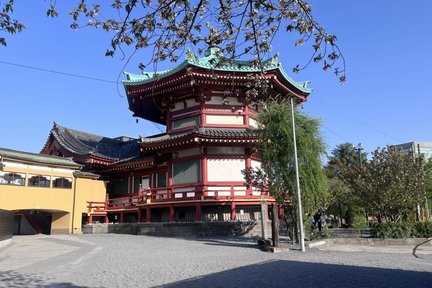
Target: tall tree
[
  {"x": 169, "y": 26},
  {"x": 276, "y": 151},
  {"x": 390, "y": 185},
  {"x": 344, "y": 156}
]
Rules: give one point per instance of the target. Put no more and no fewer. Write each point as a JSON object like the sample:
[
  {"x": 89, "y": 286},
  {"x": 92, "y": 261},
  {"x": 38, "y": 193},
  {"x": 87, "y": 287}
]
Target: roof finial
[{"x": 213, "y": 41}]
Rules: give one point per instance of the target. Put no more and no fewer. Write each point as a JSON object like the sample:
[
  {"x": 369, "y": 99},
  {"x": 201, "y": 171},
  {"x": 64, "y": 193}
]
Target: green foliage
[
  {"x": 360, "y": 221},
  {"x": 238, "y": 27},
  {"x": 7, "y": 23},
  {"x": 422, "y": 229},
  {"x": 311, "y": 231},
  {"x": 344, "y": 156},
  {"x": 276, "y": 152},
  {"x": 395, "y": 230},
  {"x": 402, "y": 230},
  {"x": 390, "y": 185}
]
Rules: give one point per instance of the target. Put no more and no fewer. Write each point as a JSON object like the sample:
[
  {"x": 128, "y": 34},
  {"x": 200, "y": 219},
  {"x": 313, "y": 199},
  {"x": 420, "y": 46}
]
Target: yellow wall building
[{"x": 48, "y": 194}]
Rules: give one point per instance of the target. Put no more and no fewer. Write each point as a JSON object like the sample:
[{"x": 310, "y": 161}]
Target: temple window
[
  {"x": 146, "y": 181},
  {"x": 9, "y": 178},
  {"x": 161, "y": 179},
  {"x": 39, "y": 181},
  {"x": 119, "y": 187},
  {"x": 187, "y": 172},
  {"x": 186, "y": 122},
  {"x": 136, "y": 185},
  {"x": 62, "y": 182}
]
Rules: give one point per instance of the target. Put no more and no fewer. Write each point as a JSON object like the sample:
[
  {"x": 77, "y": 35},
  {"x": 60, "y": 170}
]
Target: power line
[
  {"x": 117, "y": 82},
  {"x": 359, "y": 121},
  {"x": 58, "y": 72},
  {"x": 336, "y": 134}
]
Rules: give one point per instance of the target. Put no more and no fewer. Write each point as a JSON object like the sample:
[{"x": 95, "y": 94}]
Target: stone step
[{"x": 344, "y": 233}]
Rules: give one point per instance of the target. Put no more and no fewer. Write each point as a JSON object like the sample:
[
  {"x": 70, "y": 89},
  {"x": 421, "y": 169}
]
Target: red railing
[
  {"x": 179, "y": 193},
  {"x": 97, "y": 207}
]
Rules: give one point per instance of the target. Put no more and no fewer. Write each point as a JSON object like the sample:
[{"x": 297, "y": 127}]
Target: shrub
[
  {"x": 401, "y": 230},
  {"x": 393, "y": 230},
  {"x": 422, "y": 230},
  {"x": 360, "y": 221}
]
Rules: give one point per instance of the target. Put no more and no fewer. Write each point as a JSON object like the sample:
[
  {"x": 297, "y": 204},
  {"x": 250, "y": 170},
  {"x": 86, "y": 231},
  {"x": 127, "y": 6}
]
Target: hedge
[{"x": 402, "y": 230}]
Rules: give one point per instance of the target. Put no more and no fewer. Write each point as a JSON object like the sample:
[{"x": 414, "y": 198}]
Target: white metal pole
[{"x": 299, "y": 205}]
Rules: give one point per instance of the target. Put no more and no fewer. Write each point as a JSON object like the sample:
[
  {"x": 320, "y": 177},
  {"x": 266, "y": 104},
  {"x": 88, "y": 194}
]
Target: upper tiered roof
[
  {"x": 78, "y": 143},
  {"x": 149, "y": 93},
  {"x": 199, "y": 135},
  {"x": 211, "y": 61}
]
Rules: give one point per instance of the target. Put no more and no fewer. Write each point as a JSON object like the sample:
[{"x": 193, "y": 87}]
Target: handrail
[{"x": 182, "y": 192}]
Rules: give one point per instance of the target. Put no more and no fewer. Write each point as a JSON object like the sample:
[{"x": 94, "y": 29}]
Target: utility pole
[
  {"x": 299, "y": 205},
  {"x": 359, "y": 148}
]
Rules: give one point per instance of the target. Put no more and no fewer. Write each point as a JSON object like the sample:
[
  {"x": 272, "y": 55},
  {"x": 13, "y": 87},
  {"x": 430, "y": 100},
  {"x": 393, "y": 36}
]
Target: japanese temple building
[{"x": 193, "y": 171}]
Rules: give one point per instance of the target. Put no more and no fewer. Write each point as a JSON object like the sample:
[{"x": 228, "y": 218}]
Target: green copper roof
[
  {"x": 210, "y": 61},
  {"x": 37, "y": 158}
]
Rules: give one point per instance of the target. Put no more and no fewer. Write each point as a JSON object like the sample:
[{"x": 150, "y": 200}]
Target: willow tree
[
  {"x": 168, "y": 27},
  {"x": 276, "y": 152}
]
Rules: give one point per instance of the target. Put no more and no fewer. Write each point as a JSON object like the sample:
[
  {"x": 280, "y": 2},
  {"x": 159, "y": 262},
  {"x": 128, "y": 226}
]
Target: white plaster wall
[
  {"x": 225, "y": 169},
  {"x": 253, "y": 123},
  {"x": 224, "y": 119},
  {"x": 255, "y": 164}
]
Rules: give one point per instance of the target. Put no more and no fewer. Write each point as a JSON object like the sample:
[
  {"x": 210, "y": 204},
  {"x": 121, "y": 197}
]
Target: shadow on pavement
[
  {"x": 231, "y": 242},
  {"x": 416, "y": 248},
  {"x": 283, "y": 273},
  {"x": 14, "y": 279}
]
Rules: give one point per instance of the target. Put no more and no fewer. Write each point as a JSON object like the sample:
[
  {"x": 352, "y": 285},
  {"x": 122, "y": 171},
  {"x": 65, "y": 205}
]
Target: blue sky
[{"x": 386, "y": 99}]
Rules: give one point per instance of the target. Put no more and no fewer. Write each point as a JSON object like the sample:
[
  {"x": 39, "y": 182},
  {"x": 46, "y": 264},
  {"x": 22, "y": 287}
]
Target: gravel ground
[{"x": 140, "y": 261}]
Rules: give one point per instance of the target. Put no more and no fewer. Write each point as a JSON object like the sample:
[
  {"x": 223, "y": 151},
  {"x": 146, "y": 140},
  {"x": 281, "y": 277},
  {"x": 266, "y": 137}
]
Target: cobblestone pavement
[{"x": 141, "y": 261}]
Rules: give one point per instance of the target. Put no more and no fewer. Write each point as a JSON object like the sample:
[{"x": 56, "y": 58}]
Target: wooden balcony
[{"x": 183, "y": 193}]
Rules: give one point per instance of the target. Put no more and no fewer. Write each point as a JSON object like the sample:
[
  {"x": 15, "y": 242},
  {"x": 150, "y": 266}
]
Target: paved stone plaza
[{"x": 140, "y": 261}]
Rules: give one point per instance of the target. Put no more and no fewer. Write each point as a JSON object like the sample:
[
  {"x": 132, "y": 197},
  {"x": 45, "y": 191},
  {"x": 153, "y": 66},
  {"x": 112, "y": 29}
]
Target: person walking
[{"x": 317, "y": 219}]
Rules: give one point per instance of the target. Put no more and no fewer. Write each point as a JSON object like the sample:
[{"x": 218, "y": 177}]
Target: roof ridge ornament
[{"x": 213, "y": 43}]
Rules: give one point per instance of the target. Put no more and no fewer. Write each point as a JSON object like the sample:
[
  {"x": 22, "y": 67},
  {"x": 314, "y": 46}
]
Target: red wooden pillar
[
  {"x": 233, "y": 211},
  {"x": 204, "y": 169},
  {"x": 106, "y": 219},
  {"x": 139, "y": 215},
  {"x": 172, "y": 213},
  {"x": 198, "y": 212},
  {"x": 248, "y": 163},
  {"x": 246, "y": 115},
  {"x": 202, "y": 115},
  {"x": 148, "y": 214},
  {"x": 170, "y": 172},
  {"x": 90, "y": 219},
  {"x": 121, "y": 217}
]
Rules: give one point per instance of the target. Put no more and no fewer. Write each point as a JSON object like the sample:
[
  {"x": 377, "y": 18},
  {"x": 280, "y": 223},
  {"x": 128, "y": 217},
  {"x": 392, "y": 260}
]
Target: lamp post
[
  {"x": 299, "y": 205},
  {"x": 359, "y": 148}
]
